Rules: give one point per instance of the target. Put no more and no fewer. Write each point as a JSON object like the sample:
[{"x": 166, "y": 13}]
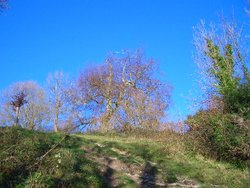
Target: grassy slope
[
  {"x": 96, "y": 160},
  {"x": 173, "y": 165}
]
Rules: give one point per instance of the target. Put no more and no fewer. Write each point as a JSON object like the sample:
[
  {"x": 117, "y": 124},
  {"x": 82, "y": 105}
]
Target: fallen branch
[
  {"x": 50, "y": 150},
  {"x": 55, "y": 145}
]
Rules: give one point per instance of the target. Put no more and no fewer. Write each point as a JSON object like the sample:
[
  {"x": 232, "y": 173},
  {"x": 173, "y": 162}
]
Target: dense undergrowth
[
  {"x": 65, "y": 166},
  {"x": 108, "y": 160},
  {"x": 221, "y": 136}
]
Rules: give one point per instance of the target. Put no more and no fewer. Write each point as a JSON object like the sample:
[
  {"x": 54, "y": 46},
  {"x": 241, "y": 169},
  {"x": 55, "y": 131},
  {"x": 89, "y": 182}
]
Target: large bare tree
[{"x": 124, "y": 91}]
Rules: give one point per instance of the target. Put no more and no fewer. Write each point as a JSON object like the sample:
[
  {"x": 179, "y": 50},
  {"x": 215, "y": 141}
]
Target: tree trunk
[
  {"x": 55, "y": 125},
  {"x": 17, "y": 116},
  {"x": 56, "y": 120}
]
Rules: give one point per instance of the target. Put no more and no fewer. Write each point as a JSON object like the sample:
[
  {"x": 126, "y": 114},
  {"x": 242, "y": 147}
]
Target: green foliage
[
  {"x": 19, "y": 148},
  {"x": 235, "y": 91},
  {"x": 22, "y": 164},
  {"x": 171, "y": 166},
  {"x": 223, "y": 129},
  {"x": 223, "y": 136},
  {"x": 241, "y": 104},
  {"x": 222, "y": 68},
  {"x": 77, "y": 161},
  {"x": 171, "y": 178}
]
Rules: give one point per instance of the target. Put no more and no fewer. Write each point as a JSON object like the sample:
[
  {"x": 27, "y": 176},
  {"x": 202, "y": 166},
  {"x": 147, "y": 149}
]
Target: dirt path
[{"x": 142, "y": 175}]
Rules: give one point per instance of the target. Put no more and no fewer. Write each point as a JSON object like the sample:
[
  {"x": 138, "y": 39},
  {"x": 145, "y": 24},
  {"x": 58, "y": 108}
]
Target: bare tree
[
  {"x": 98, "y": 92},
  {"x": 17, "y": 101},
  {"x": 124, "y": 92},
  {"x": 33, "y": 115},
  {"x": 146, "y": 97},
  {"x": 57, "y": 84}
]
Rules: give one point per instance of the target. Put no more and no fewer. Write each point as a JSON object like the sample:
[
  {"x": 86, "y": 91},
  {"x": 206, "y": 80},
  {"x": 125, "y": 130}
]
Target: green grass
[
  {"x": 82, "y": 161},
  {"x": 65, "y": 166},
  {"x": 182, "y": 164}
]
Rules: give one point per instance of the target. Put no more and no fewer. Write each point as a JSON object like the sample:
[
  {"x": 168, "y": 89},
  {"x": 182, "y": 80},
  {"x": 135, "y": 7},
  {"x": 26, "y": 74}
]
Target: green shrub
[
  {"x": 27, "y": 160},
  {"x": 20, "y": 151},
  {"x": 223, "y": 136},
  {"x": 241, "y": 104}
]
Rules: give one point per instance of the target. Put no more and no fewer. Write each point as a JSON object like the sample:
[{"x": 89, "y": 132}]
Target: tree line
[
  {"x": 125, "y": 92},
  {"x": 122, "y": 93}
]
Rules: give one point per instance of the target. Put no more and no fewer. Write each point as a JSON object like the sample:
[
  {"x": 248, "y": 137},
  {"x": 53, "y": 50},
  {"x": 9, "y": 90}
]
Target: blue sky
[{"x": 42, "y": 36}]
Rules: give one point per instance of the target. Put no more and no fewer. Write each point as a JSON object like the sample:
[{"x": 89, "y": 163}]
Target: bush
[
  {"x": 241, "y": 104},
  {"x": 20, "y": 151},
  {"x": 222, "y": 136},
  {"x": 23, "y": 162}
]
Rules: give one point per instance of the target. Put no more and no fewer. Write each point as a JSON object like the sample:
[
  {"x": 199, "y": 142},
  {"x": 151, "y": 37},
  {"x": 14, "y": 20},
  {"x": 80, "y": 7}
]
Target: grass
[
  {"x": 182, "y": 164},
  {"x": 108, "y": 160}
]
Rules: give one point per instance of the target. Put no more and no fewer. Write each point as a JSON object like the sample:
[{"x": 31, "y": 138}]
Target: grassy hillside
[{"x": 36, "y": 159}]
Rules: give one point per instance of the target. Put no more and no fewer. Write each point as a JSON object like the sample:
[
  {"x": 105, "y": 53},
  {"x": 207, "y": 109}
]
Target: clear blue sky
[{"x": 41, "y": 36}]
